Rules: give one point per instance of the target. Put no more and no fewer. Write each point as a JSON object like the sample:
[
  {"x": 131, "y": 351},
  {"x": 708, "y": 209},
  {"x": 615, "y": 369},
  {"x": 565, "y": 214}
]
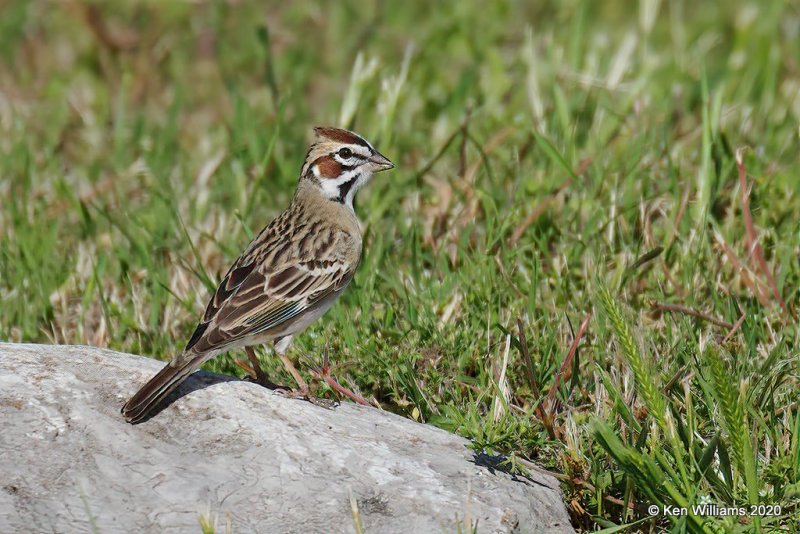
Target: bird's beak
[{"x": 380, "y": 163}]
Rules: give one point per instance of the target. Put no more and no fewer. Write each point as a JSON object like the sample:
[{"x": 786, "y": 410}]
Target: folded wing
[{"x": 256, "y": 299}]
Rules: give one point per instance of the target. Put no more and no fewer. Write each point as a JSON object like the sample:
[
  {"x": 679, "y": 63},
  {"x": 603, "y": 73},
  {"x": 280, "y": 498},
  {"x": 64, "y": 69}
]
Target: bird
[{"x": 289, "y": 275}]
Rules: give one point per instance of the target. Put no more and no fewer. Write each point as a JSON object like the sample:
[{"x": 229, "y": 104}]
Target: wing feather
[{"x": 253, "y": 299}]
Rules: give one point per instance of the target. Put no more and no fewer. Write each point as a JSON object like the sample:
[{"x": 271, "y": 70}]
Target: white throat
[{"x": 343, "y": 188}]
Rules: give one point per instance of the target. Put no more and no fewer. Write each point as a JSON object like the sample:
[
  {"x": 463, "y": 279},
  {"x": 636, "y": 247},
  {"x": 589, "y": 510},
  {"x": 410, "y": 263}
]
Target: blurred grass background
[{"x": 559, "y": 268}]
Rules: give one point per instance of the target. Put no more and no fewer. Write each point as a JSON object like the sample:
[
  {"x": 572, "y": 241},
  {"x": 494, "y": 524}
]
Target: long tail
[{"x": 161, "y": 385}]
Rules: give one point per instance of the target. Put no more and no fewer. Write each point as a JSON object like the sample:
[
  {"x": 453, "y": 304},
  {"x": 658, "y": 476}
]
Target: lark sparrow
[{"x": 290, "y": 274}]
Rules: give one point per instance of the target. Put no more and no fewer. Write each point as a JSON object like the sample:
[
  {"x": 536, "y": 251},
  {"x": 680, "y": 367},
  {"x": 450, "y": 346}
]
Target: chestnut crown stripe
[{"x": 341, "y": 136}]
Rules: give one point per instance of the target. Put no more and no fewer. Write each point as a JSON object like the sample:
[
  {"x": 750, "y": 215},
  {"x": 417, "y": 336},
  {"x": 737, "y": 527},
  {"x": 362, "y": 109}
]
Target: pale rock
[{"x": 234, "y": 453}]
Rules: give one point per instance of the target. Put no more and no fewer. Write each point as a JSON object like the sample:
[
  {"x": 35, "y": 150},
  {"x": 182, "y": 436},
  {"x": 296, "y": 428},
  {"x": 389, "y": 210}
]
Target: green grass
[{"x": 142, "y": 145}]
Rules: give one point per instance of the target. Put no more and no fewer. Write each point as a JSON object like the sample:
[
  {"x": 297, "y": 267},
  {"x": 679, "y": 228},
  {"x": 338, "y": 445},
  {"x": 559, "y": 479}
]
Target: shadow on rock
[
  {"x": 196, "y": 381},
  {"x": 499, "y": 462}
]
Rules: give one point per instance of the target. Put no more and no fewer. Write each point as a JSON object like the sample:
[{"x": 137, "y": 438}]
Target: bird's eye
[{"x": 345, "y": 153}]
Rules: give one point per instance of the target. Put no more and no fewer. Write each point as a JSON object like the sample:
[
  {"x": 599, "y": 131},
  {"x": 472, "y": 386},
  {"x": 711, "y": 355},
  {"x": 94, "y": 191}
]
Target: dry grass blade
[
  {"x": 116, "y": 38},
  {"x": 545, "y": 410},
  {"x": 462, "y": 149},
  {"x": 733, "y": 330},
  {"x": 357, "y": 525},
  {"x": 744, "y": 272},
  {"x": 573, "y": 349},
  {"x": 682, "y": 209},
  {"x": 503, "y": 395},
  {"x": 677, "y": 308},
  {"x": 753, "y": 246}
]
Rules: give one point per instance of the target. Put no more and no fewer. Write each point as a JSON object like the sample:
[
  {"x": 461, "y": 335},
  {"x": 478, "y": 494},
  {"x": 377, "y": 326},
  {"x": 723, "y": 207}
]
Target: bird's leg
[
  {"x": 248, "y": 369},
  {"x": 260, "y": 377},
  {"x": 325, "y": 375},
  {"x": 254, "y": 370},
  {"x": 303, "y": 391},
  {"x": 281, "y": 346}
]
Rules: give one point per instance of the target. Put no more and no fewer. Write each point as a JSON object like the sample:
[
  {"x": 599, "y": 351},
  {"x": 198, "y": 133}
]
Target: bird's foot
[{"x": 305, "y": 394}]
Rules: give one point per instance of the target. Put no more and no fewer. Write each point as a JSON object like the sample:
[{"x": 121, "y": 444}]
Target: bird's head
[{"x": 340, "y": 163}]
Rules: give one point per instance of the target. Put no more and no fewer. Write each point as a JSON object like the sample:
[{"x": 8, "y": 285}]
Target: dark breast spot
[{"x": 345, "y": 188}]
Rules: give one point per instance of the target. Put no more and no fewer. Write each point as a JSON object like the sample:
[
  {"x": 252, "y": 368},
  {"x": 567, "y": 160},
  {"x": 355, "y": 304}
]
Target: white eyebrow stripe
[
  {"x": 366, "y": 152},
  {"x": 357, "y": 150}
]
